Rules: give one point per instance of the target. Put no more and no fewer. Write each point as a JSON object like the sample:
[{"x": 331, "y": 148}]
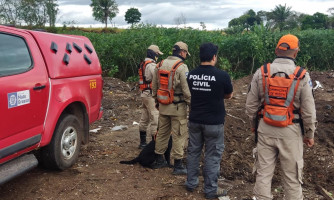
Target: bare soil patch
[{"x": 98, "y": 174}]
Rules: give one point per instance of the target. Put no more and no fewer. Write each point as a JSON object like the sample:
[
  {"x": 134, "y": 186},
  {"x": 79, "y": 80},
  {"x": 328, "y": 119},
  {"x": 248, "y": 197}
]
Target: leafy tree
[
  {"x": 104, "y": 10},
  {"x": 331, "y": 11},
  {"x": 251, "y": 18},
  {"x": 300, "y": 18},
  {"x": 307, "y": 22},
  {"x": 316, "y": 21},
  {"x": 9, "y": 11},
  {"x": 52, "y": 11},
  {"x": 279, "y": 16},
  {"x": 132, "y": 16},
  {"x": 293, "y": 21},
  {"x": 33, "y": 12},
  {"x": 69, "y": 23},
  {"x": 202, "y": 24},
  {"x": 262, "y": 15},
  {"x": 247, "y": 20},
  {"x": 180, "y": 20},
  {"x": 235, "y": 22},
  {"x": 320, "y": 20},
  {"x": 331, "y": 18},
  {"x": 28, "y": 12}
]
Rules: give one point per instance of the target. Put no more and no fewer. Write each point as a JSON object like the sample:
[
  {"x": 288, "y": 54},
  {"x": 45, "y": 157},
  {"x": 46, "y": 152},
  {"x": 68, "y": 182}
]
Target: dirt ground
[{"x": 98, "y": 174}]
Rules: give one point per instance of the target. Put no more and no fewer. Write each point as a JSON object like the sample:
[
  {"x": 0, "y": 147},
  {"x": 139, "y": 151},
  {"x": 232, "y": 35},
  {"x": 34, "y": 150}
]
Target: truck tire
[{"x": 63, "y": 151}]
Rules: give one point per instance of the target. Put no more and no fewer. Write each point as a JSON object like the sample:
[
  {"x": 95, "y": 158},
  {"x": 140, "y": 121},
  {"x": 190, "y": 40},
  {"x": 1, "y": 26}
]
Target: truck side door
[{"x": 24, "y": 92}]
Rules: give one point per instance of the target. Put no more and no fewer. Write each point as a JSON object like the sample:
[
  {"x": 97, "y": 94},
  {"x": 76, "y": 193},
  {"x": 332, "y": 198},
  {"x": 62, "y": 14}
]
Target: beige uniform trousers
[
  {"x": 290, "y": 153},
  {"x": 149, "y": 116},
  {"x": 173, "y": 117},
  {"x": 177, "y": 126}
]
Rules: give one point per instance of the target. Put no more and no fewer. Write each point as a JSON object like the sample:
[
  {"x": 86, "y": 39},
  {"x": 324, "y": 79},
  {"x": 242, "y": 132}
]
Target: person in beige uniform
[
  {"x": 149, "y": 114},
  {"x": 173, "y": 117},
  {"x": 285, "y": 143}
]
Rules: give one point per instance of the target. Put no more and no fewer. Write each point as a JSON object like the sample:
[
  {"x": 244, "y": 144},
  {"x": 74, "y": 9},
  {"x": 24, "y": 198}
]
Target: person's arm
[
  {"x": 228, "y": 96},
  {"x": 308, "y": 112},
  {"x": 184, "y": 83},
  {"x": 228, "y": 88},
  {"x": 149, "y": 71},
  {"x": 253, "y": 100}
]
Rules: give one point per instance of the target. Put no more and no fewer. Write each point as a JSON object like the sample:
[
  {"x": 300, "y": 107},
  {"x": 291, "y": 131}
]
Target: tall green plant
[{"x": 240, "y": 54}]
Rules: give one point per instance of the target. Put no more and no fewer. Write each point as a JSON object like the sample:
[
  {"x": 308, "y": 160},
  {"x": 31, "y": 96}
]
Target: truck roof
[{"x": 67, "y": 55}]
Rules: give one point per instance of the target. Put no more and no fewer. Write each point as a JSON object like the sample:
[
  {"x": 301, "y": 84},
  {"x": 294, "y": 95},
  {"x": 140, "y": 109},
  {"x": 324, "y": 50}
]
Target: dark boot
[
  {"x": 142, "y": 139},
  {"x": 220, "y": 193},
  {"x": 152, "y": 138},
  {"x": 179, "y": 169},
  {"x": 159, "y": 162}
]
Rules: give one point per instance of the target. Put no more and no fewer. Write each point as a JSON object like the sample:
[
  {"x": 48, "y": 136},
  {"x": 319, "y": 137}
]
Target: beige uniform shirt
[
  {"x": 303, "y": 100},
  {"x": 180, "y": 86},
  {"x": 149, "y": 71}
]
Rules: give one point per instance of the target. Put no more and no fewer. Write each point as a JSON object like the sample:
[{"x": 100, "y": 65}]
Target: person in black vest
[{"x": 209, "y": 87}]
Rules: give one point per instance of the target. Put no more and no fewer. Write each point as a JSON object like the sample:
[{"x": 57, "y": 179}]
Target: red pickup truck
[{"x": 50, "y": 91}]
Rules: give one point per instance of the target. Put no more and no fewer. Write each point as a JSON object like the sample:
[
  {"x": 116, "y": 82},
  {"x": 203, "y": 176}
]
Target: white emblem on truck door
[{"x": 18, "y": 98}]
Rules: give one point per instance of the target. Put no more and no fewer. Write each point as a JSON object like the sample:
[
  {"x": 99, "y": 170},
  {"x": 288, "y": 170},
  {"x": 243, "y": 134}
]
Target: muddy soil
[{"x": 98, "y": 174}]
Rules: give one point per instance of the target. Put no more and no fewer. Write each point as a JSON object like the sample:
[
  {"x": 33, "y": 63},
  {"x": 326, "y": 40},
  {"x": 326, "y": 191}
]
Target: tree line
[
  {"x": 30, "y": 12},
  {"x": 38, "y": 13},
  {"x": 281, "y": 18}
]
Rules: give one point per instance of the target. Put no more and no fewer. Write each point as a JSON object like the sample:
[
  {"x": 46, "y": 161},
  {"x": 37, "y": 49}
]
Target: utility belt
[
  {"x": 181, "y": 99},
  {"x": 260, "y": 115},
  {"x": 299, "y": 120},
  {"x": 294, "y": 120}
]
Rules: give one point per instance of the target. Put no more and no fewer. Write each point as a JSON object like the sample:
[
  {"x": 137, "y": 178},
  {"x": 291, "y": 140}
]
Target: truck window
[{"x": 14, "y": 55}]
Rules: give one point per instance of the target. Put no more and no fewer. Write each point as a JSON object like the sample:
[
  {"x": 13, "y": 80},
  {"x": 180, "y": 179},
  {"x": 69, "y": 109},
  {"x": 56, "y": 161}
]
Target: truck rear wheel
[{"x": 63, "y": 151}]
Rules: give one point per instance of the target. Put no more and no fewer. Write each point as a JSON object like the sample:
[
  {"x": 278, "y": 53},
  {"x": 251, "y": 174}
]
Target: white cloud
[{"x": 77, "y": 13}]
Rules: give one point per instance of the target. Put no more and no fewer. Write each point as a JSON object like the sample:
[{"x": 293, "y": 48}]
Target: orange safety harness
[
  {"x": 165, "y": 92},
  {"x": 143, "y": 84},
  {"x": 279, "y": 94}
]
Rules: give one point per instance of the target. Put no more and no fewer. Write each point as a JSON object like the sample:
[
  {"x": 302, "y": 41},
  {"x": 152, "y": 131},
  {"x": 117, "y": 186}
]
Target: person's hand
[
  {"x": 156, "y": 104},
  {"x": 308, "y": 141},
  {"x": 253, "y": 130}
]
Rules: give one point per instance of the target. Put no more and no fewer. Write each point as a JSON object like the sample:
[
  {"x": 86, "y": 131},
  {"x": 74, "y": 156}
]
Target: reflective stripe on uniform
[
  {"x": 170, "y": 81},
  {"x": 162, "y": 97},
  {"x": 266, "y": 94},
  {"x": 291, "y": 93},
  {"x": 265, "y": 74},
  {"x": 276, "y": 117}
]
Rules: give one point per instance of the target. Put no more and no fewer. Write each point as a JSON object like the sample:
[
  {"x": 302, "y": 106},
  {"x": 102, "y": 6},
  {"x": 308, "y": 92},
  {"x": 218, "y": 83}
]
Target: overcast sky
[{"x": 214, "y": 13}]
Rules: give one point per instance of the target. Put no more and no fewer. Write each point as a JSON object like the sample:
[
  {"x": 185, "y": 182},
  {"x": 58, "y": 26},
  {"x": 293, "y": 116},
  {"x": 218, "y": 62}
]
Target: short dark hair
[
  {"x": 176, "y": 50},
  {"x": 151, "y": 54},
  {"x": 207, "y": 51}
]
